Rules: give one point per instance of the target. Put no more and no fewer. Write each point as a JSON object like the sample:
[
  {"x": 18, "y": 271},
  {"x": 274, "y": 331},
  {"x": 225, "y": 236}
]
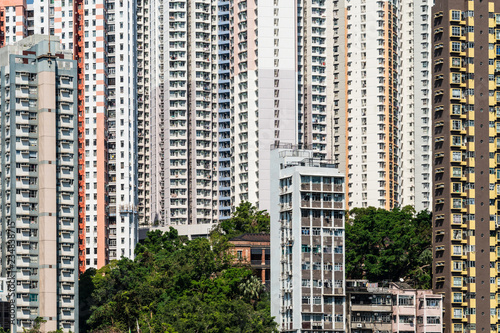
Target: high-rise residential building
[
  {"x": 224, "y": 110},
  {"x": 184, "y": 115},
  {"x": 415, "y": 102},
  {"x": 157, "y": 59},
  {"x": 103, "y": 38},
  {"x": 268, "y": 83},
  {"x": 13, "y": 21},
  {"x": 381, "y": 108},
  {"x": 218, "y": 156},
  {"x": 143, "y": 115},
  {"x": 307, "y": 242},
  {"x": 465, "y": 207},
  {"x": 39, "y": 183}
]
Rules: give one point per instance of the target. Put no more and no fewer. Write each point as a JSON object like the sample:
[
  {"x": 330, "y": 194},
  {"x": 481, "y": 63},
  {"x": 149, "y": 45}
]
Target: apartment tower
[
  {"x": 307, "y": 242},
  {"x": 102, "y": 36},
  {"x": 381, "y": 124},
  {"x": 39, "y": 183},
  {"x": 143, "y": 115},
  {"x": 184, "y": 116},
  {"x": 465, "y": 240}
]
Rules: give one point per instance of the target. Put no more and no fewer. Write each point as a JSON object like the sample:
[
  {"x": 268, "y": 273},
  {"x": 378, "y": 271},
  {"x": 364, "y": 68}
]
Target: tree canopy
[
  {"x": 389, "y": 245},
  {"x": 246, "y": 219},
  {"x": 175, "y": 285}
]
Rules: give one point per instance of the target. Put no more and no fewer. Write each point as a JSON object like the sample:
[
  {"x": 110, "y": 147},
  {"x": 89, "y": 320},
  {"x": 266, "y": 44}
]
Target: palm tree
[{"x": 251, "y": 288}]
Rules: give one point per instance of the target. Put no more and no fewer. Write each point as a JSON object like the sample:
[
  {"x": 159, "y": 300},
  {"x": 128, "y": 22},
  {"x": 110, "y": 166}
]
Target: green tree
[
  {"x": 389, "y": 245},
  {"x": 246, "y": 219},
  {"x": 176, "y": 285},
  {"x": 251, "y": 288}
]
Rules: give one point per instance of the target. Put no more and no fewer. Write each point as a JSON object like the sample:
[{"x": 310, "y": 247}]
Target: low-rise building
[
  {"x": 254, "y": 250},
  {"x": 392, "y": 307}
]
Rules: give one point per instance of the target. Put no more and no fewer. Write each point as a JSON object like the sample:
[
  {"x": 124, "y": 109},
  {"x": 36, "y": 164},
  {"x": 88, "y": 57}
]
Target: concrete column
[{"x": 47, "y": 207}]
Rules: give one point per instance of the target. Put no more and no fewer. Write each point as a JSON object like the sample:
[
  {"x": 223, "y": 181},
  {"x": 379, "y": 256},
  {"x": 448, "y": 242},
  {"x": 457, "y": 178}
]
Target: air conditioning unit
[{"x": 359, "y": 325}]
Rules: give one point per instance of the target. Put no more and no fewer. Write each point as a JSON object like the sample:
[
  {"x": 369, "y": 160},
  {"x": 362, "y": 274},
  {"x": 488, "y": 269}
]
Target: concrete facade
[
  {"x": 254, "y": 250},
  {"x": 307, "y": 243},
  {"x": 466, "y": 111},
  {"x": 392, "y": 307},
  {"x": 38, "y": 176}
]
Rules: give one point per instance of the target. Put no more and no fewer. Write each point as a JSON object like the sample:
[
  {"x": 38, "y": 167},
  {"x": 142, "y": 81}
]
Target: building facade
[
  {"x": 143, "y": 115},
  {"x": 381, "y": 109},
  {"x": 184, "y": 116},
  {"x": 103, "y": 38},
  {"x": 393, "y": 307},
  {"x": 307, "y": 247},
  {"x": 39, "y": 179},
  {"x": 465, "y": 208},
  {"x": 4, "y": 305},
  {"x": 219, "y": 156},
  {"x": 254, "y": 250}
]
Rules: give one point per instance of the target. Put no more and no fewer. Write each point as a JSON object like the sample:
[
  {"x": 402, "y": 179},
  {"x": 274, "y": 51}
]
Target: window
[
  {"x": 432, "y": 302},
  {"x": 455, "y": 15},
  {"x": 457, "y": 281},
  {"x": 406, "y": 319},
  {"x": 456, "y": 46},
  {"x": 457, "y": 125},
  {"x": 456, "y": 140},
  {"x": 457, "y": 313},
  {"x": 457, "y": 172},
  {"x": 455, "y": 62},
  {"x": 433, "y": 320},
  {"x": 455, "y": 31},
  {"x": 457, "y": 156},
  {"x": 405, "y": 300}
]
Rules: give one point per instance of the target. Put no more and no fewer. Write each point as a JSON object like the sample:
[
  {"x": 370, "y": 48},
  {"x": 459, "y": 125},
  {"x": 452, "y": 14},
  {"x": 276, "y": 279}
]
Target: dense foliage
[
  {"x": 175, "y": 285},
  {"x": 246, "y": 219},
  {"x": 389, "y": 245}
]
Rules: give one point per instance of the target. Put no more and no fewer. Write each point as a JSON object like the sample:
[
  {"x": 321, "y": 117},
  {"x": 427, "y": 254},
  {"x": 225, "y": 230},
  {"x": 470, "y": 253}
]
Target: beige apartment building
[{"x": 392, "y": 307}]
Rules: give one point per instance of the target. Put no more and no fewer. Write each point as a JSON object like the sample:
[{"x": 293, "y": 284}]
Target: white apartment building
[
  {"x": 184, "y": 116},
  {"x": 387, "y": 145},
  {"x": 307, "y": 243},
  {"x": 143, "y": 115},
  {"x": 39, "y": 184},
  {"x": 341, "y": 78},
  {"x": 113, "y": 88},
  {"x": 227, "y": 140},
  {"x": 415, "y": 96}
]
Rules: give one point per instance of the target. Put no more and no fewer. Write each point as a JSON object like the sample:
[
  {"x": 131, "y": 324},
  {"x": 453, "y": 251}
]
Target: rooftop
[{"x": 261, "y": 237}]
